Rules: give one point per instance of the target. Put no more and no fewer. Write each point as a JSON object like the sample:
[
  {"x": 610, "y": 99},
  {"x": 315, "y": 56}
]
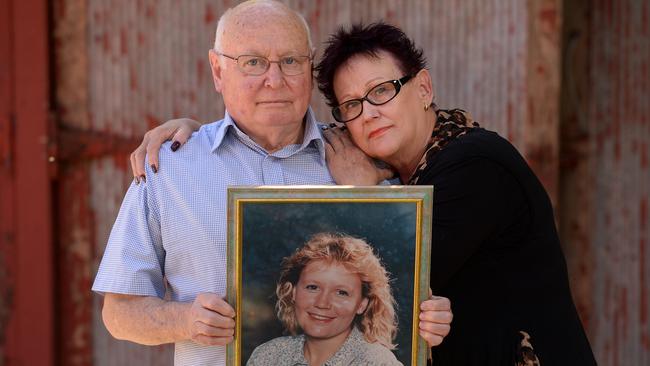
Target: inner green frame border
[{"x": 422, "y": 196}]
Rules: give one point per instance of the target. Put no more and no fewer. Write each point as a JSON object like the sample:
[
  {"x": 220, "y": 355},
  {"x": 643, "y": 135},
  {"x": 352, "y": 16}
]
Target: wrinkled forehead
[{"x": 265, "y": 30}]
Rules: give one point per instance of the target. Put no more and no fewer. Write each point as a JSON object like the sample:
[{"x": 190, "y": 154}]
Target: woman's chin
[{"x": 384, "y": 154}]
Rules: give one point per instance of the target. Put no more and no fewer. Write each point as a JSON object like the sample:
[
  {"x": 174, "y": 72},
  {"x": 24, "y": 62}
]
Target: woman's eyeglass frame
[{"x": 396, "y": 84}]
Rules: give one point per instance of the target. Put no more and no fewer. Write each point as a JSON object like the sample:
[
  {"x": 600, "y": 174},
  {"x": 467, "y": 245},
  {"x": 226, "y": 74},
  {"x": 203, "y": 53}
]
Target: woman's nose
[
  {"x": 322, "y": 301},
  {"x": 369, "y": 111}
]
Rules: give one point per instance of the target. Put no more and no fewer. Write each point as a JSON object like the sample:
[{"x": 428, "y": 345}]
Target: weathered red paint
[
  {"x": 643, "y": 275},
  {"x": 78, "y": 145},
  {"x": 614, "y": 110},
  {"x": 75, "y": 301},
  {"x": 124, "y": 50},
  {"x": 30, "y": 332},
  {"x": 7, "y": 230},
  {"x": 209, "y": 16},
  {"x": 136, "y": 79}
]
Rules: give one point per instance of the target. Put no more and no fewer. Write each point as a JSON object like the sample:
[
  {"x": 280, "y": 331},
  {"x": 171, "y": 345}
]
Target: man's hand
[
  {"x": 177, "y": 130},
  {"x": 348, "y": 164},
  {"x": 151, "y": 321},
  {"x": 210, "y": 321},
  {"x": 435, "y": 319}
]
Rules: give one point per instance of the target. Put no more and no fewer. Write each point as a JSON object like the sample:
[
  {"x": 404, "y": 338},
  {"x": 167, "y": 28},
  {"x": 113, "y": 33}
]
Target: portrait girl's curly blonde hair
[{"x": 378, "y": 323}]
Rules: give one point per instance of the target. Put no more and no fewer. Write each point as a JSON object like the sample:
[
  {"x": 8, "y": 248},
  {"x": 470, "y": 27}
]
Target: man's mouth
[{"x": 274, "y": 102}]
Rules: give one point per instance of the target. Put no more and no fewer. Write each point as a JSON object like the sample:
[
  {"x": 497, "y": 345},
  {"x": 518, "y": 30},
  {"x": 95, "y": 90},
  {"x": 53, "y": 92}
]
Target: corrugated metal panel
[
  {"x": 153, "y": 54},
  {"x": 30, "y": 332},
  {"x": 145, "y": 62},
  {"x": 618, "y": 114},
  {"x": 7, "y": 204},
  {"x": 606, "y": 178},
  {"x": 124, "y": 66}
]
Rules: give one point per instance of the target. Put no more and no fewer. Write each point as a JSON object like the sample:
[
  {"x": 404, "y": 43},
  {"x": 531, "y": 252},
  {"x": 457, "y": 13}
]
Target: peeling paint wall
[
  {"x": 7, "y": 243},
  {"x": 124, "y": 66},
  {"x": 606, "y": 177}
]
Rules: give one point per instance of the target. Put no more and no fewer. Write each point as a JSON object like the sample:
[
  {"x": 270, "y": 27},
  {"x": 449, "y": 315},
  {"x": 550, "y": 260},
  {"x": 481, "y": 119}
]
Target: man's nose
[{"x": 274, "y": 76}]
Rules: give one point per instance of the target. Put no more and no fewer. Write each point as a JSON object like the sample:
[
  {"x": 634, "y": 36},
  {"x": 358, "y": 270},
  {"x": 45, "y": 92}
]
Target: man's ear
[
  {"x": 425, "y": 86},
  {"x": 215, "y": 66}
]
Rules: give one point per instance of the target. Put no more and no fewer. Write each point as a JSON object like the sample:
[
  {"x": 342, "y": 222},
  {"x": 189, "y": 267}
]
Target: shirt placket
[{"x": 272, "y": 170}]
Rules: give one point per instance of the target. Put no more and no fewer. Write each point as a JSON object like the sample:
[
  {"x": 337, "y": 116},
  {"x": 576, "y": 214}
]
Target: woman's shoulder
[
  {"x": 358, "y": 351},
  {"x": 377, "y": 354},
  {"x": 478, "y": 142},
  {"x": 277, "y": 350},
  {"x": 480, "y": 146},
  {"x": 474, "y": 156}
]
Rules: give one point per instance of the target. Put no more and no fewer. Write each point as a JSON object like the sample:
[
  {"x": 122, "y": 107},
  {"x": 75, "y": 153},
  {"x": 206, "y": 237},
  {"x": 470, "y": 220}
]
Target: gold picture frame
[{"x": 267, "y": 223}]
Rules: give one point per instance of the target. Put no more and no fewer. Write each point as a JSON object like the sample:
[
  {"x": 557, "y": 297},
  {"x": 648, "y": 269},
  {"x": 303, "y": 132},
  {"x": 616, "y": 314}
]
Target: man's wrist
[{"x": 183, "y": 312}]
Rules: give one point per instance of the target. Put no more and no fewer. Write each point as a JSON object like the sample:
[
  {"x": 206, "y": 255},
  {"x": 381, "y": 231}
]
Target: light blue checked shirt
[{"x": 173, "y": 227}]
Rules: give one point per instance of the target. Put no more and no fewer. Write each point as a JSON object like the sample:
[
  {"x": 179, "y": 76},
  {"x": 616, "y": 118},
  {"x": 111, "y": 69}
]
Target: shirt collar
[
  {"x": 220, "y": 134},
  {"x": 344, "y": 356},
  {"x": 313, "y": 133}
]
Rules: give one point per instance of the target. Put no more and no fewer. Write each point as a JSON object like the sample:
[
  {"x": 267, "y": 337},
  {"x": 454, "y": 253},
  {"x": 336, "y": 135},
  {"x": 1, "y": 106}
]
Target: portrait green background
[{"x": 272, "y": 231}]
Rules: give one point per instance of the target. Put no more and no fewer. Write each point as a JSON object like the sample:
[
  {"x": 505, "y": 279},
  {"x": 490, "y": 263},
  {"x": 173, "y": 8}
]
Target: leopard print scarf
[{"x": 450, "y": 125}]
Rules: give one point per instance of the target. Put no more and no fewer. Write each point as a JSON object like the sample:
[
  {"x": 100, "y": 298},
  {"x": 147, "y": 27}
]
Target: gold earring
[{"x": 426, "y": 107}]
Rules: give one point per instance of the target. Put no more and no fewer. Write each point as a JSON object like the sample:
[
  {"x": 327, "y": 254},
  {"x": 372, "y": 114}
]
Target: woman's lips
[
  {"x": 378, "y": 132},
  {"x": 321, "y": 318}
]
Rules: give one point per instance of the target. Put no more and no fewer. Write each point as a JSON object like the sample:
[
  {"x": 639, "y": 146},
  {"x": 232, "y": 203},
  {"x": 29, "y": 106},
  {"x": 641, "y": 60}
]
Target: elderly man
[{"x": 164, "y": 270}]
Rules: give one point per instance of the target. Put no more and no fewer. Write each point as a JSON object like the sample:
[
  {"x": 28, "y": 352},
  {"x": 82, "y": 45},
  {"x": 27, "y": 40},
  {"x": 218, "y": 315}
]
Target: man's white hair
[{"x": 223, "y": 20}]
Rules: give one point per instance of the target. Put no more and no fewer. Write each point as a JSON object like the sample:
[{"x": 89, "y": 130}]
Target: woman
[
  {"x": 496, "y": 253},
  {"x": 336, "y": 292}
]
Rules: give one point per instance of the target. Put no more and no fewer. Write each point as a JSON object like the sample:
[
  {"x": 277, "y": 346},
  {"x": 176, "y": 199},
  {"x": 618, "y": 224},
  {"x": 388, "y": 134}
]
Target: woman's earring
[{"x": 426, "y": 107}]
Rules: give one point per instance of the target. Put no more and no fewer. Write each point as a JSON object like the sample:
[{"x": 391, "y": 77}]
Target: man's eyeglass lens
[
  {"x": 380, "y": 94},
  {"x": 257, "y": 65}
]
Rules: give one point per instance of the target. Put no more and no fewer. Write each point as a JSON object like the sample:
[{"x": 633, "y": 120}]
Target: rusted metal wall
[
  {"x": 6, "y": 176},
  {"x": 123, "y": 66},
  {"x": 606, "y": 173},
  {"x": 26, "y": 282}
]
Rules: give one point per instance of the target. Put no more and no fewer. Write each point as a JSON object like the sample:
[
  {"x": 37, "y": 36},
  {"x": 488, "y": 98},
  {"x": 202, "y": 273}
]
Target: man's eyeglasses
[
  {"x": 378, "y": 95},
  {"x": 257, "y": 65}
]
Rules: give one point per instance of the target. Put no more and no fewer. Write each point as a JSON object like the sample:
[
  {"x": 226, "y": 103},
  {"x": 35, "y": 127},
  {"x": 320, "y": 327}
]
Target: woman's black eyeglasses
[{"x": 378, "y": 95}]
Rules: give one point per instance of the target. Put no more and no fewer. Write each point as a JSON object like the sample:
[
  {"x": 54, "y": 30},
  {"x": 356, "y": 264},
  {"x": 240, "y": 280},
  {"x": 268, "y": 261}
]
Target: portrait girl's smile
[{"x": 327, "y": 298}]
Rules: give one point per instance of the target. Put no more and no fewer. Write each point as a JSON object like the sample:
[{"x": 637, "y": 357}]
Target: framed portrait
[{"x": 273, "y": 233}]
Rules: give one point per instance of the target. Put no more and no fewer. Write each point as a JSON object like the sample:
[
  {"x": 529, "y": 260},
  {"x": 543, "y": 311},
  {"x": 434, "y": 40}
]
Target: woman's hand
[
  {"x": 435, "y": 319},
  {"x": 178, "y": 130},
  {"x": 348, "y": 164}
]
